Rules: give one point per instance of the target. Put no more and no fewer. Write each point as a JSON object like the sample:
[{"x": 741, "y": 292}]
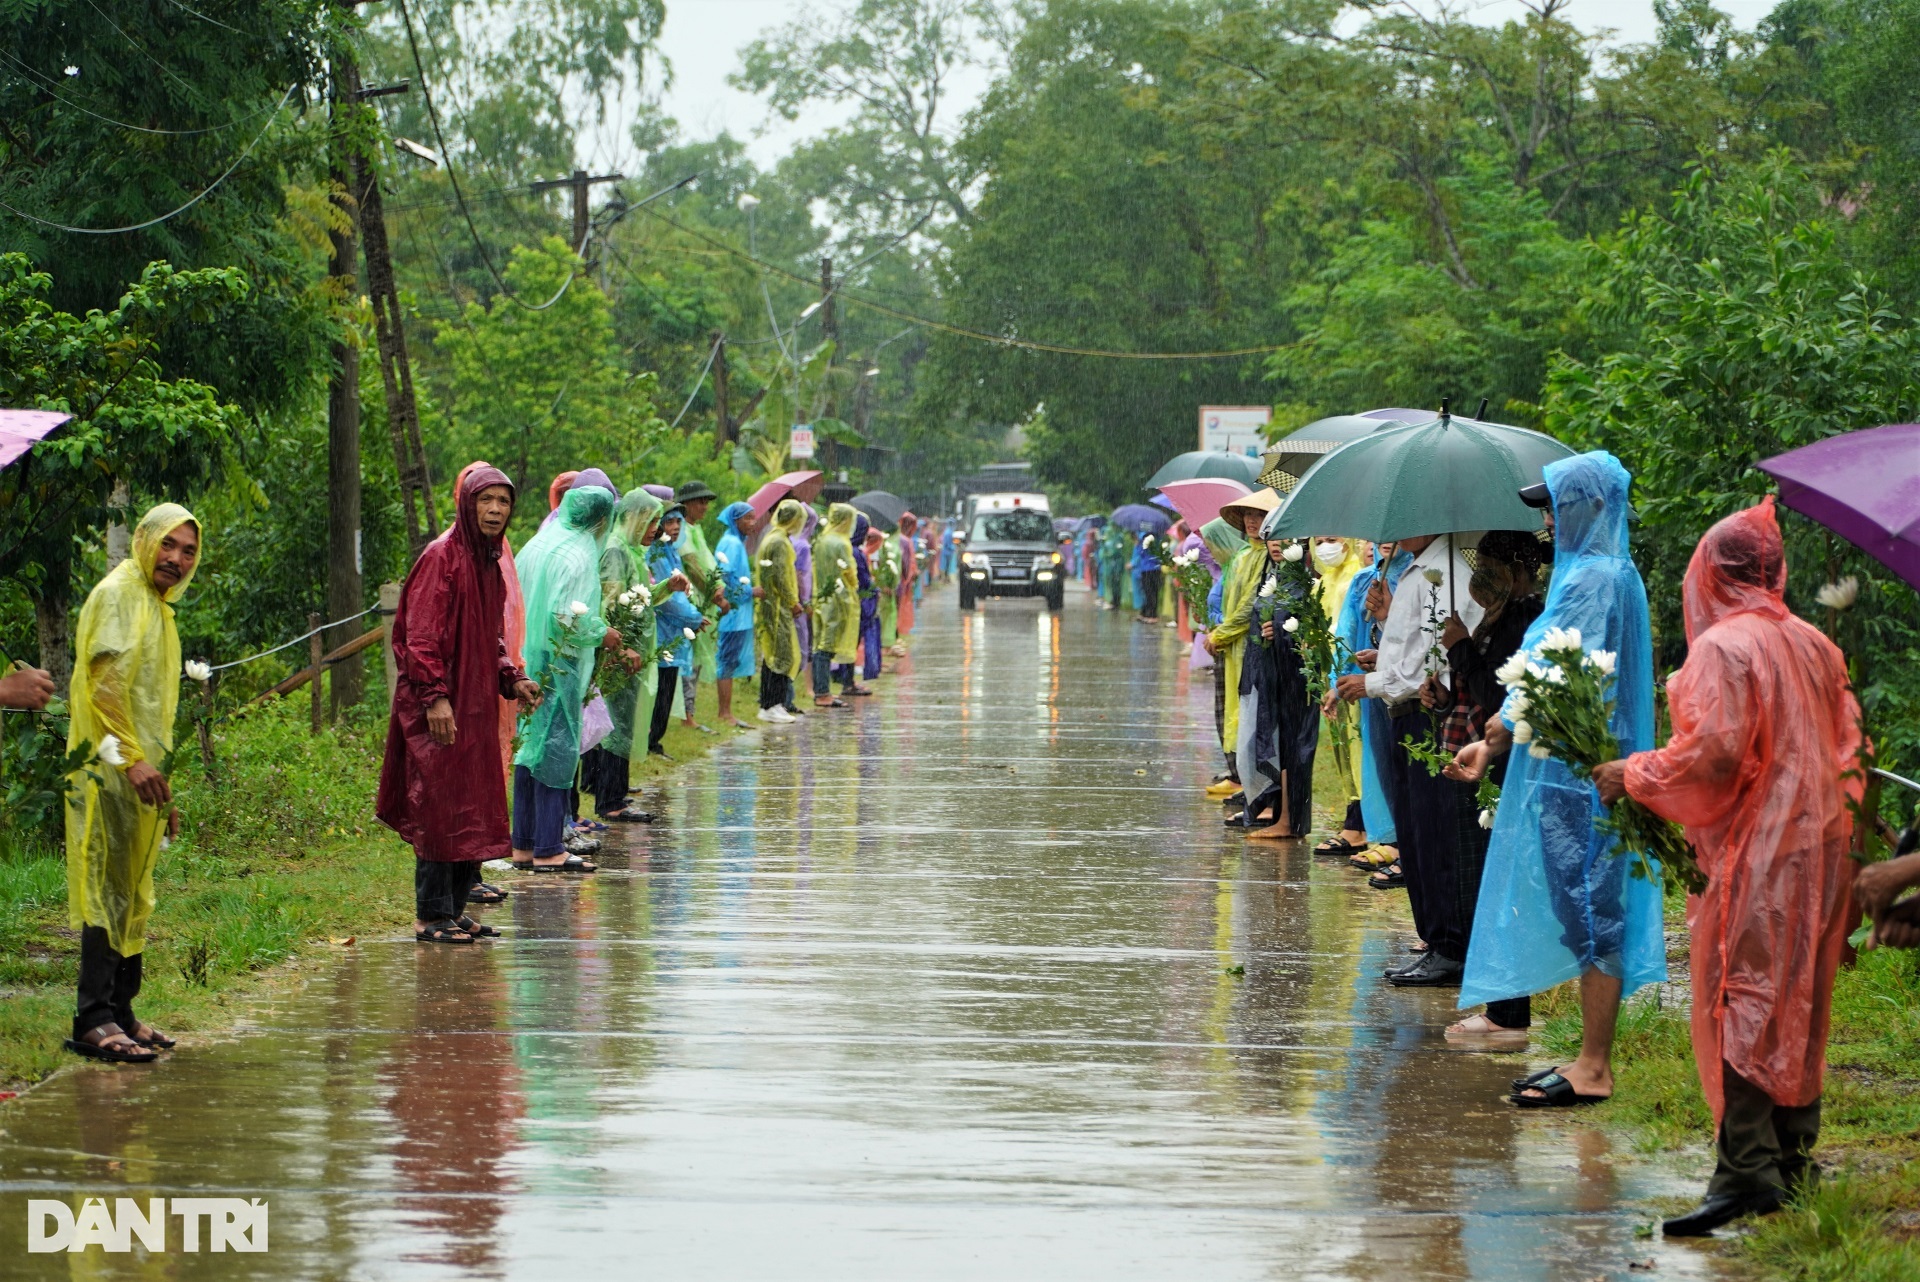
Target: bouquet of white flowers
[
  {"x": 1190, "y": 579},
  {"x": 631, "y": 615},
  {"x": 1562, "y": 708}
]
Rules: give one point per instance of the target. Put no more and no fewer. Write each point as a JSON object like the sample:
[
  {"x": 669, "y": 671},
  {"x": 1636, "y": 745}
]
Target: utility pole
[
  {"x": 343, "y": 388},
  {"x": 726, "y": 425},
  {"x": 829, "y": 324},
  {"x": 580, "y": 184}
]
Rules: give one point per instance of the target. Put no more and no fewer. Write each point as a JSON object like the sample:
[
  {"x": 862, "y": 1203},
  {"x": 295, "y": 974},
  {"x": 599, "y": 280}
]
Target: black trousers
[
  {"x": 822, "y": 673},
  {"x": 108, "y": 985},
  {"x": 776, "y": 688},
  {"x": 440, "y": 889},
  {"x": 1150, "y": 592},
  {"x": 1426, "y": 812},
  {"x": 605, "y": 776},
  {"x": 662, "y": 709},
  {"x": 1760, "y": 1144}
]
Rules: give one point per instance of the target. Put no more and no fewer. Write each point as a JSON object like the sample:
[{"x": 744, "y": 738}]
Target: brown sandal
[{"x": 111, "y": 1043}]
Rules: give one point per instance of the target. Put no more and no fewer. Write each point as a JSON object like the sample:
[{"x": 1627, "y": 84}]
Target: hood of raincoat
[
  {"x": 1589, "y": 504},
  {"x": 474, "y": 478},
  {"x": 594, "y": 477},
  {"x": 632, "y": 515},
  {"x": 161, "y": 520},
  {"x": 1740, "y": 567},
  {"x": 1335, "y": 579},
  {"x": 840, "y": 519},
  {"x": 558, "y": 489},
  {"x": 730, "y": 516},
  {"x": 1223, "y": 539},
  {"x": 813, "y": 523},
  {"x": 790, "y": 516},
  {"x": 908, "y": 523},
  {"x": 861, "y": 528}
]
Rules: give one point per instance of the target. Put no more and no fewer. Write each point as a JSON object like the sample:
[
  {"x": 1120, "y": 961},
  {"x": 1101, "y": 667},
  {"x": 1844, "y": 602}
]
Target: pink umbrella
[
  {"x": 800, "y": 485},
  {"x": 20, "y": 429},
  {"x": 1201, "y": 499}
]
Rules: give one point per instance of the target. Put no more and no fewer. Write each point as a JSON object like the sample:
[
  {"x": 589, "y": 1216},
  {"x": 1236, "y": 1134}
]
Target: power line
[
  {"x": 698, "y": 383},
  {"x": 962, "y": 331},
  {"x": 208, "y": 191},
  {"x": 46, "y": 84}
]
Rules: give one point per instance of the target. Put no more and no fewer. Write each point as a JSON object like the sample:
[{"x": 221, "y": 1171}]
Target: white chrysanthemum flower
[
  {"x": 1538, "y": 751},
  {"x": 1602, "y": 661},
  {"x": 576, "y": 608},
  {"x": 1839, "y": 596},
  {"x": 1290, "y": 626},
  {"x": 1293, "y": 552},
  {"x": 1146, "y": 541},
  {"x": 1266, "y": 589},
  {"x": 1538, "y": 671},
  {"x": 1518, "y": 703},
  {"x": 1560, "y": 639},
  {"x": 199, "y": 670},
  {"x": 1433, "y": 575},
  {"x": 687, "y": 633},
  {"x": 110, "y": 751},
  {"x": 766, "y": 565},
  {"x": 1556, "y": 675},
  {"x": 1486, "y": 819},
  {"x": 1510, "y": 672},
  {"x": 1523, "y": 731}
]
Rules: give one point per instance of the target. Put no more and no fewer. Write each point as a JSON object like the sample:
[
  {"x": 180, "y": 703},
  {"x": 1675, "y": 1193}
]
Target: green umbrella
[
  {"x": 1300, "y": 449},
  {"x": 1431, "y": 478},
  {"x": 1195, "y": 464}
]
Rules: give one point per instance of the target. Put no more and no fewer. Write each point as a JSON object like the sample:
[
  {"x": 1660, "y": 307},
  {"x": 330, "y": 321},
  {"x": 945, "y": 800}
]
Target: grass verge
[
  {"x": 1863, "y": 1223},
  {"x": 278, "y": 863}
]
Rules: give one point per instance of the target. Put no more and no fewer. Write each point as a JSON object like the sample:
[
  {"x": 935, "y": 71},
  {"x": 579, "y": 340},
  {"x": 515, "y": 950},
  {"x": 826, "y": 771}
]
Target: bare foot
[{"x": 1483, "y": 1031}]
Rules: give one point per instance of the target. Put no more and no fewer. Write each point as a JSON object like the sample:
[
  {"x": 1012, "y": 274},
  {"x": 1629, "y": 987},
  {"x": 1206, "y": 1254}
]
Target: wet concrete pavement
[{"x": 946, "y": 986}]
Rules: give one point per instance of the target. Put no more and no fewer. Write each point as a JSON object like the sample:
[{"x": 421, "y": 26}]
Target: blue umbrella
[{"x": 1138, "y": 518}]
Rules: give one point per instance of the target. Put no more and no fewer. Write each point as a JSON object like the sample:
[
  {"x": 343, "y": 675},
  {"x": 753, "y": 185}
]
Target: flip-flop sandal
[
  {"x": 444, "y": 931},
  {"x": 154, "y": 1038},
  {"x": 1337, "y": 848},
  {"x": 1521, "y": 1083},
  {"x": 1555, "y": 1092},
  {"x": 572, "y": 864},
  {"x": 487, "y": 895},
  {"x": 477, "y": 930},
  {"x": 833, "y": 703},
  {"x": 1387, "y": 880},
  {"x": 110, "y": 1054}
]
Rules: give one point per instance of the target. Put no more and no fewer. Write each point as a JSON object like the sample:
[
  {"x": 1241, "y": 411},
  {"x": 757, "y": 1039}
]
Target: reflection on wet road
[{"x": 946, "y": 986}]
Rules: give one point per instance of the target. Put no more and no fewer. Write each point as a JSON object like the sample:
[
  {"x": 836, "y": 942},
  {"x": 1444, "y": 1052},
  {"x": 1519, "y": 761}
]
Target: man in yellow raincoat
[{"x": 126, "y": 685}]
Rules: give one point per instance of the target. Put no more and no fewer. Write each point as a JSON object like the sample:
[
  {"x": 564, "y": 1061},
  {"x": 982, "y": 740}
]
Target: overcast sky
[{"x": 702, "y": 37}]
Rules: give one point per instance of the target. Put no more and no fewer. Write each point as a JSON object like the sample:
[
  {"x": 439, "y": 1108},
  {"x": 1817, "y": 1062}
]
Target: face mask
[{"x": 1329, "y": 553}]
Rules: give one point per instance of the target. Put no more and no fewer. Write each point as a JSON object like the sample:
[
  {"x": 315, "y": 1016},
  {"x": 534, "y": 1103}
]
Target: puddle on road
[{"x": 853, "y": 1013}]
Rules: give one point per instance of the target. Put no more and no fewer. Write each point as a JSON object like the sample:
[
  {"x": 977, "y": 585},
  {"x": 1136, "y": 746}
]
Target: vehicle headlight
[
  {"x": 1057, "y": 558},
  {"x": 976, "y": 558}
]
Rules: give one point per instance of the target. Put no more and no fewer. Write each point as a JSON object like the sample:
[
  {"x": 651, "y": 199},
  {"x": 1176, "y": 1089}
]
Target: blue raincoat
[
  {"x": 1556, "y": 898},
  {"x": 1355, "y": 629},
  {"x": 736, "y": 571},
  {"x": 673, "y": 616}
]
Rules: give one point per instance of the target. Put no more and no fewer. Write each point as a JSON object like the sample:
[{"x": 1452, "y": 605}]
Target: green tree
[{"x": 160, "y": 437}]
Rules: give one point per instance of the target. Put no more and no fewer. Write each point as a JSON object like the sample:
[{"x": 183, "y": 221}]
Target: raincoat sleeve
[
  {"x": 110, "y": 651},
  {"x": 422, "y": 658},
  {"x": 1236, "y": 598},
  {"x": 1695, "y": 780}
]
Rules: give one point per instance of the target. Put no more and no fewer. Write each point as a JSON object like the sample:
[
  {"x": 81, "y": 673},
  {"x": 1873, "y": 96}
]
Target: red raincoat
[
  {"x": 448, "y": 802},
  {"x": 1764, "y": 728}
]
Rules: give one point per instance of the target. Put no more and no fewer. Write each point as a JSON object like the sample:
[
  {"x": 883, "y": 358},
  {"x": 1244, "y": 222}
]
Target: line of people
[{"x": 1511, "y": 899}]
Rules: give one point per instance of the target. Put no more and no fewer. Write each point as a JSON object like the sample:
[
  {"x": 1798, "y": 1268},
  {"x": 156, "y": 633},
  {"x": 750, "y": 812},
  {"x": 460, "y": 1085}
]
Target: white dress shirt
[{"x": 1406, "y": 638}]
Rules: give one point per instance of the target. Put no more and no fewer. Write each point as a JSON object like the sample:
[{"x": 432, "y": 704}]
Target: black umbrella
[{"x": 882, "y": 508}]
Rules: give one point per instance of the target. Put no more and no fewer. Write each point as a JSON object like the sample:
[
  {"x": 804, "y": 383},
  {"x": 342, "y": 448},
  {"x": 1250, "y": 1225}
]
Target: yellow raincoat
[
  {"x": 126, "y": 683},
  {"x": 836, "y": 586},
  {"x": 1230, "y": 637},
  {"x": 774, "y": 633},
  {"x": 1342, "y": 734}
]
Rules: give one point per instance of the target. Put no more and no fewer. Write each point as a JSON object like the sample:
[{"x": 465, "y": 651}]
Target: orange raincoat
[{"x": 1764, "y": 726}]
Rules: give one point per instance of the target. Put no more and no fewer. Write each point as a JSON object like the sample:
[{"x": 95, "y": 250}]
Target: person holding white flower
[
  {"x": 1765, "y": 735},
  {"x": 678, "y": 623},
  {"x": 733, "y": 659},
  {"x": 836, "y": 602},
  {"x": 122, "y": 699},
  {"x": 1425, "y": 805},
  {"x": 777, "y": 616},
  {"x": 1279, "y": 729},
  {"x": 1556, "y": 900}
]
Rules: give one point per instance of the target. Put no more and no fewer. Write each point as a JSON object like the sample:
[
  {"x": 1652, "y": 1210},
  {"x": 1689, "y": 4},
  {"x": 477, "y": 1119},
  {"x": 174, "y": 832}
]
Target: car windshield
[{"x": 1023, "y": 525}]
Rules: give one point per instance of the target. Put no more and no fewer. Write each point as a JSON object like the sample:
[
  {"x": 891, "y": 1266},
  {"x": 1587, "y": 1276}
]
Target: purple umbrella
[
  {"x": 1864, "y": 486},
  {"x": 1141, "y": 519},
  {"x": 20, "y": 429}
]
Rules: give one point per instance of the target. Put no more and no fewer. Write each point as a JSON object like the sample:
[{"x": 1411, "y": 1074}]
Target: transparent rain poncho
[
  {"x": 1557, "y": 897},
  {"x": 775, "y": 634},
  {"x": 836, "y": 586},
  {"x": 1764, "y": 729},
  {"x": 560, "y": 568},
  {"x": 126, "y": 683},
  {"x": 1341, "y": 734},
  {"x": 623, "y": 565}
]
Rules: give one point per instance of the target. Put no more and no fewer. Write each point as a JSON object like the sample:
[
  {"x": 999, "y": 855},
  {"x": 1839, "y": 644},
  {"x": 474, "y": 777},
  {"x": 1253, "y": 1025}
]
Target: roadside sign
[
  {"x": 800, "y": 442},
  {"x": 1235, "y": 429}
]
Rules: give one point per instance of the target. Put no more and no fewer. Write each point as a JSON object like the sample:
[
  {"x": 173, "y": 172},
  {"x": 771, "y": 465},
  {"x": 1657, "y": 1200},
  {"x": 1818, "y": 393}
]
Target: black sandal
[
  {"x": 1391, "y": 879},
  {"x": 153, "y": 1038},
  {"x": 1337, "y": 848},
  {"x": 1555, "y": 1092},
  {"x": 97, "y": 1047},
  {"x": 572, "y": 864},
  {"x": 628, "y": 815},
  {"x": 487, "y": 895},
  {"x": 477, "y": 930},
  {"x": 444, "y": 931}
]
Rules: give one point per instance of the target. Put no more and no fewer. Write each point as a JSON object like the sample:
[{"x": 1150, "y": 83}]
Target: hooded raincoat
[
  {"x": 1360, "y": 632},
  {"x": 910, "y": 572},
  {"x": 1239, "y": 581},
  {"x": 736, "y": 570},
  {"x": 836, "y": 586},
  {"x": 623, "y": 566},
  {"x": 674, "y": 615},
  {"x": 559, "y": 569},
  {"x": 775, "y": 635},
  {"x": 515, "y": 629},
  {"x": 1224, "y": 543},
  {"x": 1278, "y": 726},
  {"x": 802, "y": 541},
  {"x": 449, "y": 642},
  {"x": 1557, "y": 897},
  {"x": 126, "y": 683},
  {"x": 697, "y": 559},
  {"x": 1764, "y": 728},
  {"x": 1341, "y": 735}
]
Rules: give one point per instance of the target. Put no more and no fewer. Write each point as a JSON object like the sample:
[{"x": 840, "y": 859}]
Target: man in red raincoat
[
  {"x": 1764, "y": 729},
  {"x": 440, "y": 784}
]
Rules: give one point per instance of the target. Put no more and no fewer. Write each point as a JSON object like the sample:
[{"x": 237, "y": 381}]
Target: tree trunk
[
  {"x": 54, "y": 624},
  {"x": 344, "y": 587}
]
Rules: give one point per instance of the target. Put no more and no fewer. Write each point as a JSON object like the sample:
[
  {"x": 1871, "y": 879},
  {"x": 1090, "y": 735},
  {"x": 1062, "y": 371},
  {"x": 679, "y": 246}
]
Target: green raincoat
[
  {"x": 559, "y": 571},
  {"x": 836, "y": 586},
  {"x": 623, "y": 565},
  {"x": 774, "y": 634},
  {"x": 126, "y": 683},
  {"x": 698, "y": 561}
]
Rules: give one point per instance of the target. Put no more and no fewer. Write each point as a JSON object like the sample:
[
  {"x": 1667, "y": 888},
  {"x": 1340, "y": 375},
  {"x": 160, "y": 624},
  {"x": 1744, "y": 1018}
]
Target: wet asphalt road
[{"x": 966, "y": 982}]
